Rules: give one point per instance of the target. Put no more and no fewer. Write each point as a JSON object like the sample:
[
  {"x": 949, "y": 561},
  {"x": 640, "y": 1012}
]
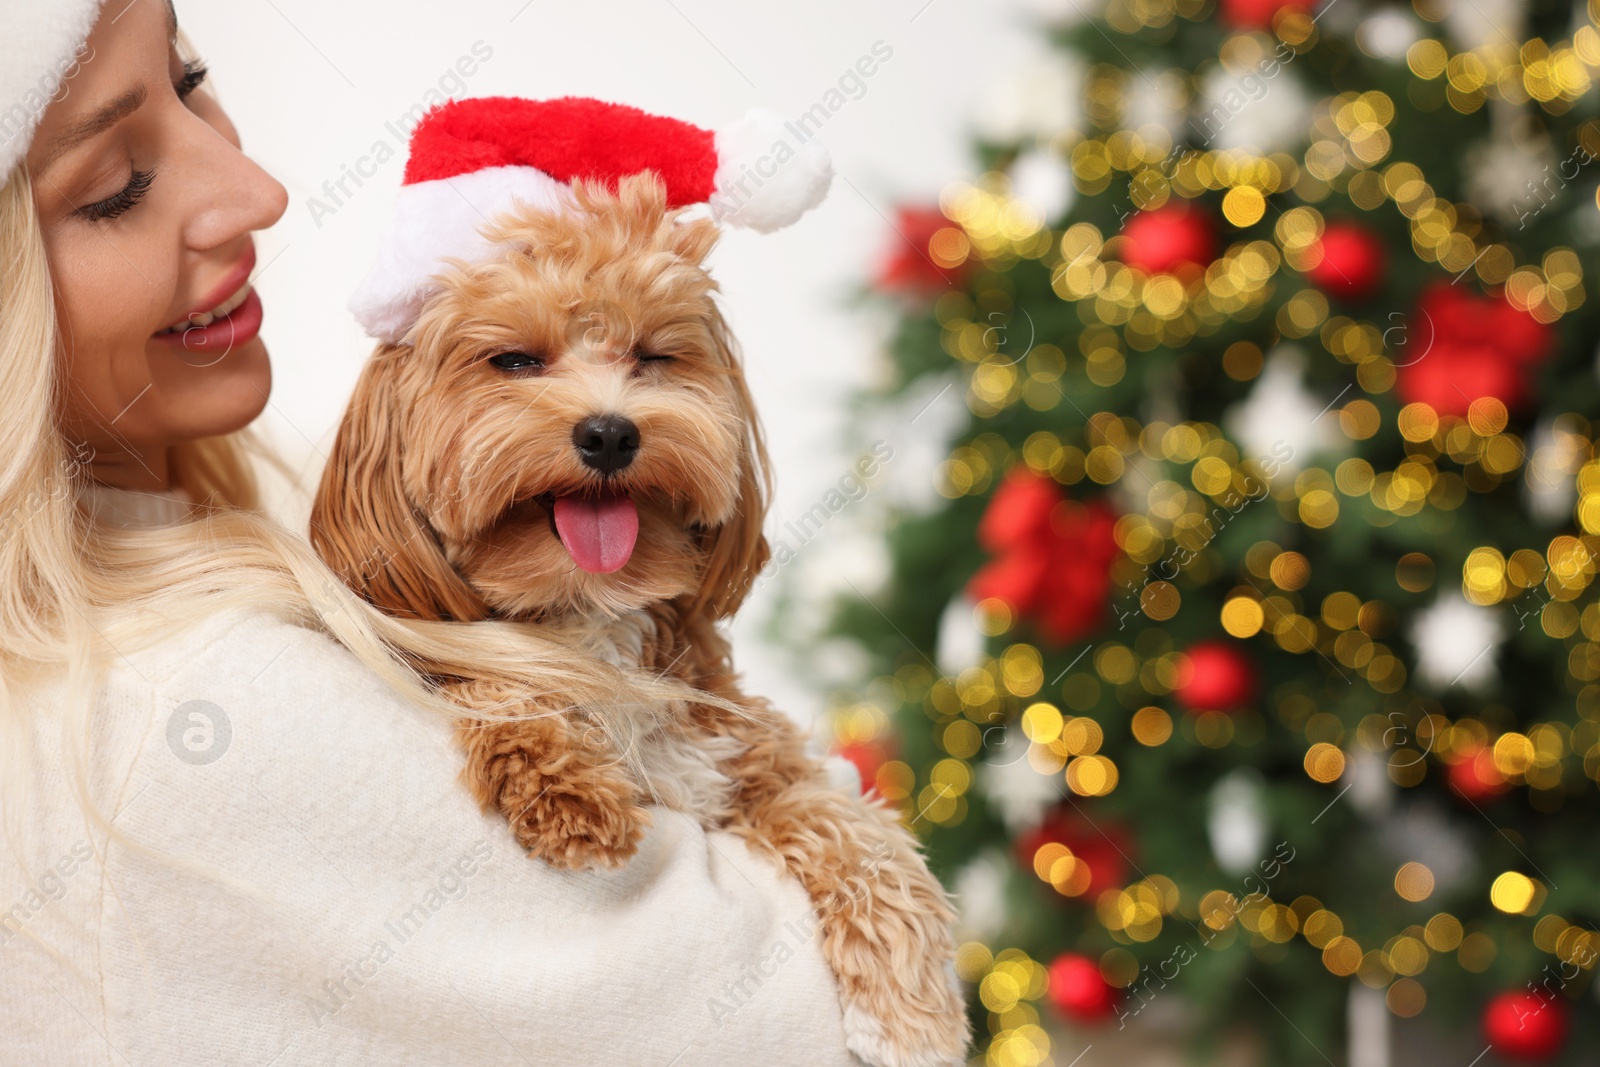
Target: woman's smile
[{"x": 230, "y": 314}]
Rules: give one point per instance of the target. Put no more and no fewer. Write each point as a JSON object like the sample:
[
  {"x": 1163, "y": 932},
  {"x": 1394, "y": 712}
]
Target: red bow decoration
[
  {"x": 927, "y": 255},
  {"x": 1469, "y": 347},
  {"x": 1053, "y": 556}
]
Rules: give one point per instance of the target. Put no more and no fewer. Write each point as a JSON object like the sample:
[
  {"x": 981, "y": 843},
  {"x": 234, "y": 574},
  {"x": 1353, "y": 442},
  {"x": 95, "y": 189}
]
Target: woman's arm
[{"x": 321, "y": 888}]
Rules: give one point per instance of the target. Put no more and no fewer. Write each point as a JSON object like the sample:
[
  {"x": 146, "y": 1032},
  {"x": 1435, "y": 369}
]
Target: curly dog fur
[{"x": 439, "y": 501}]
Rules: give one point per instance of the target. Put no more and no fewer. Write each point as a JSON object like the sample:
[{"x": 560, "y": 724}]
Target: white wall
[{"x": 312, "y": 84}]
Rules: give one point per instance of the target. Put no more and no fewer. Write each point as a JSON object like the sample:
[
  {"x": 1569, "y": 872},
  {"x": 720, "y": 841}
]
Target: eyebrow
[
  {"x": 108, "y": 116},
  {"x": 97, "y": 123}
]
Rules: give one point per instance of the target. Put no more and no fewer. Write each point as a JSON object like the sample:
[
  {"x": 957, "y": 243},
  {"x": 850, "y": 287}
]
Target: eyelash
[
  {"x": 194, "y": 75},
  {"x": 117, "y": 203}
]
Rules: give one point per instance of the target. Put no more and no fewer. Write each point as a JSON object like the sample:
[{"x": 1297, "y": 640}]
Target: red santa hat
[{"x": 472, "y": 159}]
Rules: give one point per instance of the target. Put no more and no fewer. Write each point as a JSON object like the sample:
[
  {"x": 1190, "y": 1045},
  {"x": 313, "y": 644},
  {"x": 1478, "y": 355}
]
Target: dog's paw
[
  {"x": 575, "y": 830},
  {"x": 892, "y": 953},
  {"x": 888, "y": 937},
  {"x": 889, "y": 1025},
  {"x": 934, "y": 1041}
]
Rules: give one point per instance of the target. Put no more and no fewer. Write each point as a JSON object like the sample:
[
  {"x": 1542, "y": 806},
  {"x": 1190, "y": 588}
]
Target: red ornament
[
  {"x": 1052, "y": 556},
  {"x": 1258, "y": 14},
  {"x": 1173, "y": 237},
  {"x": 1352, "y": 261},
  {"x": 1079, "y": 991},
  {"x": 1219, "y": 677},
  {"x": 1475, "y": 777},
  {"x": 928, "y": 254},
  {"x": 1459, "y": 348},
  {"x": 1526, "y": 1026},
  {"x": 1103, "y": 846}
]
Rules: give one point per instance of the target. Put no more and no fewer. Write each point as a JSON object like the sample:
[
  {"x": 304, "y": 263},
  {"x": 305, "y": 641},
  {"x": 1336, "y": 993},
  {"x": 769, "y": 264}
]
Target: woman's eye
[
  {"x": 120, "y": 202},
  {"x": 194, "y": 76},
  {"x": 517, "y": 361}
]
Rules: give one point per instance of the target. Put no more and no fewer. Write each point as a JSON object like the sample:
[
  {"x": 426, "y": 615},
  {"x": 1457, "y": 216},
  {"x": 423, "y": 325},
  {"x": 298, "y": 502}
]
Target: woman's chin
[{"x": 219, "y": 398}]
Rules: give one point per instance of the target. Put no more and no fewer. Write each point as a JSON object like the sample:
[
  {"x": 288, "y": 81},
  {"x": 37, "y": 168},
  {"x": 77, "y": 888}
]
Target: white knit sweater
[{"x": 320, "y": 889}]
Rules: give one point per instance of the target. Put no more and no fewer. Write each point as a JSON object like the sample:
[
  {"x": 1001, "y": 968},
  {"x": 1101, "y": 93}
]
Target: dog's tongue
[{"x": 598, "y": 532}]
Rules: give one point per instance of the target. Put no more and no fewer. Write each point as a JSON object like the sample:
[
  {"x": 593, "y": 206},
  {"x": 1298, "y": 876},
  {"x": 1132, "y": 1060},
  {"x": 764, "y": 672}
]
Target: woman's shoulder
[
  {"x": 238, "y": 645},
  {"x": 250, "y": 657},
  {"x": 250, "y": 675}
]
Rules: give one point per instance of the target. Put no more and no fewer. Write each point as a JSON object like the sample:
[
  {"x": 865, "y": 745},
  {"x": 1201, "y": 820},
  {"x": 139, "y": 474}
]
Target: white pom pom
[{"x": 769, "y": 173}]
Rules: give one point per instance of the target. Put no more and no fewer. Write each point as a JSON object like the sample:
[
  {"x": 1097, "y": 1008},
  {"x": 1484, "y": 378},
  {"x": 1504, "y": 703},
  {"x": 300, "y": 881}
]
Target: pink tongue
[{"x": 598, "y": 532}]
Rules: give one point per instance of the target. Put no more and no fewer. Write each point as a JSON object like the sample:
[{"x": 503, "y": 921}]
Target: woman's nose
[{"x": 233, "y": 194}]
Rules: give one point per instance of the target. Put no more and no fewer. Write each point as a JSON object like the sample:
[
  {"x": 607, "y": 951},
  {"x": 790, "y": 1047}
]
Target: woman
[{"x": 230, "y": 837}]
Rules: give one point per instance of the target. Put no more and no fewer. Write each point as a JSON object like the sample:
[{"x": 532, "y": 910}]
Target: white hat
[
  {"x": 41, "y": 46},
  {"x": 471, "y": 159}
]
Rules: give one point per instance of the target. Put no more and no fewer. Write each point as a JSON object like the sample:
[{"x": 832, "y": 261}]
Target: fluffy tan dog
[{"x": 570, "y": 441}]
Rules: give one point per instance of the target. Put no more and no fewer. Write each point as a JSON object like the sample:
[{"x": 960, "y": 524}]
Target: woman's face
[{"x": 147, "y": 206}]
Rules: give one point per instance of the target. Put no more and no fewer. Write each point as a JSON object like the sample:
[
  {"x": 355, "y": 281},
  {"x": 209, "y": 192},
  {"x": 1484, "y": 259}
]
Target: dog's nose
[{"x": 606, "y": 442}]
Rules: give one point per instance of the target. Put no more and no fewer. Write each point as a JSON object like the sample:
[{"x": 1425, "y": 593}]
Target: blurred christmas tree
[{"x": 1272, "y": 518}]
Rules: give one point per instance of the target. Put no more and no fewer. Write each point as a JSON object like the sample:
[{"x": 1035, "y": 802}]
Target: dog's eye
[
  {"x": 517, "y": 361},
  {"x": 644, "y": 356}
]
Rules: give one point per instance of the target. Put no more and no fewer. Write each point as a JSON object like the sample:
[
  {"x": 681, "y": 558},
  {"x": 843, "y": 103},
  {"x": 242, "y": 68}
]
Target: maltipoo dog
[{"x": 569, "y": 440}]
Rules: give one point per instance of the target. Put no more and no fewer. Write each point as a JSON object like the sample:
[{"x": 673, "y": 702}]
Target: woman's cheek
[{"x": 105, "y": 305}]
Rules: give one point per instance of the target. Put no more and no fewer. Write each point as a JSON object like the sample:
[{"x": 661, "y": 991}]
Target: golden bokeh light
[
  {"x": 1406, "y": 998},
  {"x": 1082, "y": 736},
  {"x": 1342, "y": 956},
  {"x": 1322, "y": 927},
  {"x": 1160, "y": 600},
  {"x": 1244, "y": 206},
  {"x": 1242, "y": 616},
  {"x": 1512, "y": 892},
  {"x": 1041, "y": 723},
  {"x": 1290, "y": 571},
  {"x": 1414, "y": 882},
  {"x": 1092, "y": 776},
  {"x": 1414, "y": 572},
  {"x": 1443, "y": 933},
  {"x": 1151, "y": 726},
  {"x": 1324, "y": 762},
  {"x": 973, "y": 960}
]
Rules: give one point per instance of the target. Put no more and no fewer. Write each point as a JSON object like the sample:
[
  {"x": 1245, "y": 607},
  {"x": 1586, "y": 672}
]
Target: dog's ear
[
  {"x": 737, "y": 549},
  {"x": 362, "y": 524}
]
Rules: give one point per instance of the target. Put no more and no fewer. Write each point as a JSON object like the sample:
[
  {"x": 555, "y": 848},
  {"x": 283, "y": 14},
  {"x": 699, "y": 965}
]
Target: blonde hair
[{"x": 75, "y": 595}]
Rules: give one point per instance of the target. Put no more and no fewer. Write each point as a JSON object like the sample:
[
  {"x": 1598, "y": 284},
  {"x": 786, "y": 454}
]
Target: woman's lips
[
  {"x": 230, "y": 283},
  {"x": 242, "y": 325}
]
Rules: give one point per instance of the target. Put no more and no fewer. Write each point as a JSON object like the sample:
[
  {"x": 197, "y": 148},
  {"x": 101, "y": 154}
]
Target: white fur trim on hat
[
  {"x": 432, "y": 221},
  {"x": 40, "y": 46},
  {"x": 769, "y": 173}
]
